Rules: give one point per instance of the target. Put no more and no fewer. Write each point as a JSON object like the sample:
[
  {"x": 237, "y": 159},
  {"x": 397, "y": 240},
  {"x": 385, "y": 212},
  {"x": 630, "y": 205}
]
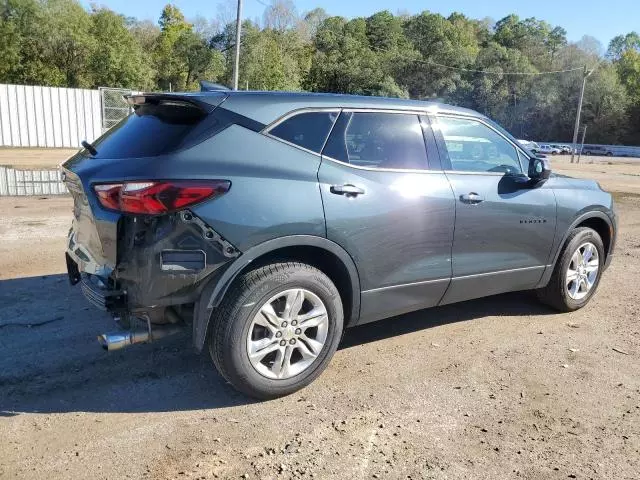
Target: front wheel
[
  {"x": 277, "y": 329},
  {"x": 577, "y": 272}
]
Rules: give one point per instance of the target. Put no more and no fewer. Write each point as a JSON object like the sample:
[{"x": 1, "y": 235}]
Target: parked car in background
[
  {"x": 535, "y": 148},
  {"x": 525, "y": 143},
  {"x": 564, "y": 149},
  {"x": 596, "y": 150},
  {"x": 265, "y": 223},
  {"x": 531, "y": 146},
  {"x": 548, "y": 150}
]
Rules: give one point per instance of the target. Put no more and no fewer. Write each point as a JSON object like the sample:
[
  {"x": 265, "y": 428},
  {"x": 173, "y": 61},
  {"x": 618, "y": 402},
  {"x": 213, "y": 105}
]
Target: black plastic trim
[
  {"x": 546, "y": 276},
  {"x": 214, "y": 292}
]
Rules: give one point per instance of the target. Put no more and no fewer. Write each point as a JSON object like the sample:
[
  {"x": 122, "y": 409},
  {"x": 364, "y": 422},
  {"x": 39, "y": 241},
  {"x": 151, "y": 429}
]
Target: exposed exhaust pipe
[{"x": 118, "y": 340}]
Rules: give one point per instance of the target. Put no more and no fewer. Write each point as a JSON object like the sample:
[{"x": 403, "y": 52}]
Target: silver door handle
[
  {"x": 348, "y": 189},
  {"x": 471, "y": 198}
]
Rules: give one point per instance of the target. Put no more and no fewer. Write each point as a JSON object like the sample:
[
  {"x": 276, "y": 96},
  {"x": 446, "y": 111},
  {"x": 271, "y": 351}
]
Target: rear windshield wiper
[{"x": 90, "y": 148}]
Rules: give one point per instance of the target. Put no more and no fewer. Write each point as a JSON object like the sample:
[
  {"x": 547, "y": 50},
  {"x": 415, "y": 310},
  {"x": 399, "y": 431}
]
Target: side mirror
[{"x": 539, "y": 169}]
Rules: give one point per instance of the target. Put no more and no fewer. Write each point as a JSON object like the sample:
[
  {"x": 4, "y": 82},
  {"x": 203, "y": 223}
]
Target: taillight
[{"x": 155, "y": 198}]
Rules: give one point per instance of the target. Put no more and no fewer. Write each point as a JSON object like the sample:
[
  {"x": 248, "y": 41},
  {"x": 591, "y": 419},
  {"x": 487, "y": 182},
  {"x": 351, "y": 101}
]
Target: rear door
[
  {"x": 504, "y": 229},
  {"x": 390, "y": 206}
]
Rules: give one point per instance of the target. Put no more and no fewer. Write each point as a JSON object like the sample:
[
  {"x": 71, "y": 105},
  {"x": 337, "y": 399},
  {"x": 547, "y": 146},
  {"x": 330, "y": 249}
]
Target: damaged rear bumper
[{"x": 161, "y": 262}]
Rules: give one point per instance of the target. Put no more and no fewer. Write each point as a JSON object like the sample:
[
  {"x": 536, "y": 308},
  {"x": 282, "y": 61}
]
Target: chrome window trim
[
  {"x": 417, "y": 113},
  {"x": 384, "y": 110},
  {"x": 298, "y": 111},
  {"x": 471, "y": 172},
  {"x": 519, "y": 150},
  {"x": 375, "y": 169},
  {"x": 266, "y": 131},
  {"x": 286, "y": 142}
]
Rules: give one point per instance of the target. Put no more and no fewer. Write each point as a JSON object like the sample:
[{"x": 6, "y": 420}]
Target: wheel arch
[
  {"x": 320, "y": 252},
  {"x": 597, "y": 220}
]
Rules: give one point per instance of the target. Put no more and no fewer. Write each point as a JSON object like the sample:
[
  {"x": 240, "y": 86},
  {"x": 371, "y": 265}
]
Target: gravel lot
[
  {"x": 33, "y": 158},
  {"x": 495, "y": 388}
]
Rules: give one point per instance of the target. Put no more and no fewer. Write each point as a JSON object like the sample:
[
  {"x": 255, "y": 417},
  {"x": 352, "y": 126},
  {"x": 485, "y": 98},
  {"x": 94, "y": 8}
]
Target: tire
[
  {"x": 557, "y": 292},
  {"x": 235, "y": 319}
]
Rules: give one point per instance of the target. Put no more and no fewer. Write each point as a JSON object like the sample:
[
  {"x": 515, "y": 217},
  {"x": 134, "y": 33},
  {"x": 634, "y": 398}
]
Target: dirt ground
[
  {"x": 33, "y": 158},
  {"x": 495, "y": 388}
]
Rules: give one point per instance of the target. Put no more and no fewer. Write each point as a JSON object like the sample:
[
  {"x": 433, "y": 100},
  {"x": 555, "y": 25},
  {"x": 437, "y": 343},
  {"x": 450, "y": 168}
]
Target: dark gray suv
[{"x": 269, "y": 222}]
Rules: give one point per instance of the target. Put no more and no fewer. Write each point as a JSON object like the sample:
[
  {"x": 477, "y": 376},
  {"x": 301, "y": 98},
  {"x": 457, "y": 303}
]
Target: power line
[
  {"x": 263, "y": 3},
  {"x": 488, "y": 72},
  {"x": 470, "y": 70}
]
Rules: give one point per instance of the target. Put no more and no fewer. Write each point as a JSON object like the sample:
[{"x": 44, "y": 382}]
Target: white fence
[
  {"x": 48, "y": 116},
  {"x": 30, "y": 182}
]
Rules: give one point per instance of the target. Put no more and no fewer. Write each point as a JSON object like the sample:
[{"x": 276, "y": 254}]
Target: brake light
[{"x": 156, "y": 198}]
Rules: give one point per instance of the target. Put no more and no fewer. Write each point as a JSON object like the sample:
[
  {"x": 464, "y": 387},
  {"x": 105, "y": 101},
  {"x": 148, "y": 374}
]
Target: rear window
[
  {"x": 307, "y": 130},
  {"x": 152, "y": 130}
]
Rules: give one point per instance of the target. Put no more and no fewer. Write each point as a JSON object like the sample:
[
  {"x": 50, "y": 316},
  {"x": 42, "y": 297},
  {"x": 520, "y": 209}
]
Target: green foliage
[
  {"x": 117, "y": 59},
  {"x": 426, "y": 56},
  {"x": 349, "y": 58}
]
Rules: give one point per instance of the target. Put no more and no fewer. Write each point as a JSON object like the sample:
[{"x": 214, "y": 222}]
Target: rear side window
[
  {"x": 307, "y": 130},
  {"x": 379, "y": 140},
  {"x": 152, "y": 130}
]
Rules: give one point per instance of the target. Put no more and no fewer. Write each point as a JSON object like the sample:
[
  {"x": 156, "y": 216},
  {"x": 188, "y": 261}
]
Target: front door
[
  {"x": 504, "y": 229},
  {"x": 388, "y": 210}
]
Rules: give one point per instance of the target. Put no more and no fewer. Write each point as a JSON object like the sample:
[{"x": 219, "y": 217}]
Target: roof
[{"x": 266, "y": 107}]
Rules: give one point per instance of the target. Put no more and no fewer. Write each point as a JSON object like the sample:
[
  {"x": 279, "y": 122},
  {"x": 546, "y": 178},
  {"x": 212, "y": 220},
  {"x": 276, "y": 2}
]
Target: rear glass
[
  {"x": 151, "y": 130},
  {"x": 308, "y": 130}
]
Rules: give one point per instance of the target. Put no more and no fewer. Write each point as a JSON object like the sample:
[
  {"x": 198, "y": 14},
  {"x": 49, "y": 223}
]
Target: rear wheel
[
  {"x": 277, "y": 329},
  {"x": 577, "y": 272}
]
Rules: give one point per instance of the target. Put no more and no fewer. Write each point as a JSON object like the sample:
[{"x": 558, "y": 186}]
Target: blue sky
[{"x": 602, "y": 19}]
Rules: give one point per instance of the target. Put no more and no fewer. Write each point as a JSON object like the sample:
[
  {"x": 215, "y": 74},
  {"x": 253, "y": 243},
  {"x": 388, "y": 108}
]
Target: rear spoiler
[
  {"x": 206, "y": 101},
  {"x": 207, "y": 86}
]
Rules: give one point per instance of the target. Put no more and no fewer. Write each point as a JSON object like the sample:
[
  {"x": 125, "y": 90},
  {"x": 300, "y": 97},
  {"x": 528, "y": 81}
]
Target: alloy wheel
[
  {"x": 287, "y": 334},
  {"x": 583, "y": 271}
]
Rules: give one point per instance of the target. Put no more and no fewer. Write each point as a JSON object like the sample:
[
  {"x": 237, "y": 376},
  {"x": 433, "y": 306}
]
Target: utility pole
[
  {"x": 585, "y": 74},
  {"x": 584, "y": 134},
  {"x": 236, "y": 67}
]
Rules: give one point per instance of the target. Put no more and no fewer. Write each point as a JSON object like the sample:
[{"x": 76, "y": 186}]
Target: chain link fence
[
  {"x": 30, "y": 182},
  {"x": 114, "y": 106}
]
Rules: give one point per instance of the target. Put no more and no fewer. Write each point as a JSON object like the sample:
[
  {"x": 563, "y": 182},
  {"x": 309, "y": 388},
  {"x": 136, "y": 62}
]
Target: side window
[
  {"x": 308, "y": 130},
  {"x": 474, "y": 147},
  {"x": 379, "y": 140}
]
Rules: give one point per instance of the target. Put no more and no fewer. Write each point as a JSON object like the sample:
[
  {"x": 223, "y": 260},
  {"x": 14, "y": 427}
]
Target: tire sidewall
[
  {"x": 586, "y": 235},
  {"x": 236, "y": 355}
]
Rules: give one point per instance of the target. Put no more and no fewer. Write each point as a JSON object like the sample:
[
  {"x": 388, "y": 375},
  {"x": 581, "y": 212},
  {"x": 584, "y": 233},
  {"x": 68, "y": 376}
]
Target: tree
[
  {"x": 623, "y": 43},
  {"x": 198, "y": 60},
  {"x": 168, "y": 65},
  {"x": 427, "y": 56},
  {"x": 439, "y": 41},
  {"x": 281, "y": 15},
  {"x": 69, "y": 41},
  {"x": 117, "y": 59},
  {"x": 605, "y": 106},
  {"x": 308, "y": 27},
  {"x": 345, "y": 63}
]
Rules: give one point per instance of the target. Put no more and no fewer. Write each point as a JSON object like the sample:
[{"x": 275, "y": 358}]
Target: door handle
[
  {"x": 348, "y": 190},
  {"x": 471, "y": 198}
]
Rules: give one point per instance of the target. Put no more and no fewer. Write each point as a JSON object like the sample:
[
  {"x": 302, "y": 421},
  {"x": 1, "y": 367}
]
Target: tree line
[{"x": 495, "y": 67}]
